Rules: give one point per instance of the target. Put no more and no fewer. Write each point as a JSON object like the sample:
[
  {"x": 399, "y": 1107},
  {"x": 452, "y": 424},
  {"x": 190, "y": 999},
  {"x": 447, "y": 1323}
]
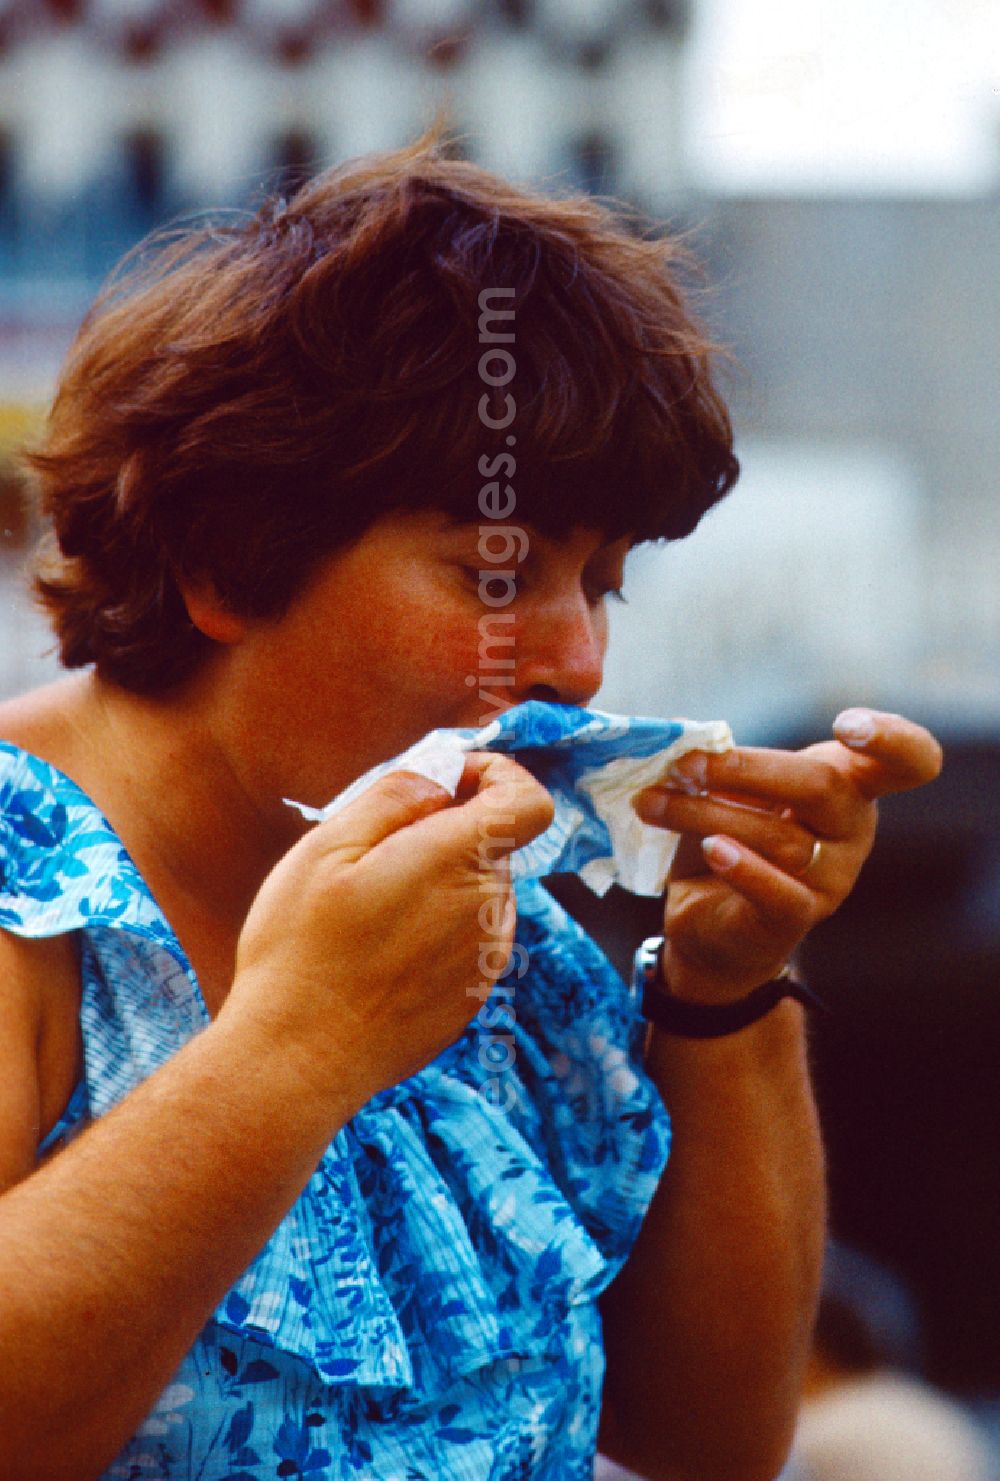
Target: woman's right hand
[{"x": 372, "y": 943}]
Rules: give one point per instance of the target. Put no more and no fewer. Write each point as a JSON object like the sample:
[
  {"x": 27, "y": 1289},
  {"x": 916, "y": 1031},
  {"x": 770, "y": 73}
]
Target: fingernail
[
  {"x": 720, "y": 852},
  {"x": 854, "y": 727},
  {"x": 424, "y": 788},
  {"x": 688, "y": 774}
]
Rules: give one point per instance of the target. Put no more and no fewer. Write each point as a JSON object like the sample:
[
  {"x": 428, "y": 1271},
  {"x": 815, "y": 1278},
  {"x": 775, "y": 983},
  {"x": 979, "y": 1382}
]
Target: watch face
[{"x": 646, "y": 967}]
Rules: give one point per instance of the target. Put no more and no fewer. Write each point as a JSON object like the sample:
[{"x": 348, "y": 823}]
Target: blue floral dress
[{"x": 427, "y": 1309}]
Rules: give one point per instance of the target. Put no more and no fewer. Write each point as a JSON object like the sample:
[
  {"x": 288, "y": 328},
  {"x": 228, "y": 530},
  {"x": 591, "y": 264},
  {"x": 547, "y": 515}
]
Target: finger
[
  {"x": 778, "y": 900},
  {"x": 780, "y": 839},
  {"x": 395, "y": 801},
  {"x": 817, "y": 783},
  {"x": 507, "y": 810},
  {"x": 892, "y": 754},
  {"x": 481, "y": 768}
]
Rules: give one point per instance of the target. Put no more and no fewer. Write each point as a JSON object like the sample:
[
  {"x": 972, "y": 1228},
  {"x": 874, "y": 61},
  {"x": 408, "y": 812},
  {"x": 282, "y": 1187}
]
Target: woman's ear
[{"x": 209, "y": 614}]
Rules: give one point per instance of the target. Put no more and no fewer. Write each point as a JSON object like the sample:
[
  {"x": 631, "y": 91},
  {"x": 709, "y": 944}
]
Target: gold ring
[{"x": 817, "y": 849}]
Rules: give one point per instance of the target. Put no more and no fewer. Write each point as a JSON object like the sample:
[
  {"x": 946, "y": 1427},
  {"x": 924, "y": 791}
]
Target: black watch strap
[{"x": 708, "y": 1020}]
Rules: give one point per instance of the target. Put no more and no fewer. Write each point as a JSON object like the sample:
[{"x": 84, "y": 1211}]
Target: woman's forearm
[
  {"x": 708, "y": 1325},
  {"x": 114, "y": 1254}
]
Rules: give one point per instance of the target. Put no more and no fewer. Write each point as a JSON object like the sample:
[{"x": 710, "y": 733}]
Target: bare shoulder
[{"x": 41, "y": 721}]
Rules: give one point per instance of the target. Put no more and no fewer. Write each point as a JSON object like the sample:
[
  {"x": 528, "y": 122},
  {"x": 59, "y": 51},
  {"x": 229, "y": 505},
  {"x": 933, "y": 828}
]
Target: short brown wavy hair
[{"x": 247, "y": 396}]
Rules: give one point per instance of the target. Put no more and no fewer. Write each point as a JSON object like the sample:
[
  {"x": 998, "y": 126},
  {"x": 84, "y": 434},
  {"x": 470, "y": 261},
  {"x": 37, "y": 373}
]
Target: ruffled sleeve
[{"x": 598, "y": 1120}]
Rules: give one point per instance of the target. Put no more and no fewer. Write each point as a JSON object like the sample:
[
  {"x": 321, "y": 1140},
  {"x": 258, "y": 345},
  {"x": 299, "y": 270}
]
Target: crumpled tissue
[{"x": 592, "y": 764}]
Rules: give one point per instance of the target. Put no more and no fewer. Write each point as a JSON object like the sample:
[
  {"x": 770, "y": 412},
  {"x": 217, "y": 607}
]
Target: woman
[{"x": 288, "y": 1230}]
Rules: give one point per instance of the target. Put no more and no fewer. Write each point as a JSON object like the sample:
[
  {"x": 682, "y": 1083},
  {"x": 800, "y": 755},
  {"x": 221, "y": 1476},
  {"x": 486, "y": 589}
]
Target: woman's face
[{"x": 422, "y": 623}]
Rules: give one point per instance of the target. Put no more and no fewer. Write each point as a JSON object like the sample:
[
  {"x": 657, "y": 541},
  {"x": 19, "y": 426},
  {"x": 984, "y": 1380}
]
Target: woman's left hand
[{"x": 783, "y": 837}]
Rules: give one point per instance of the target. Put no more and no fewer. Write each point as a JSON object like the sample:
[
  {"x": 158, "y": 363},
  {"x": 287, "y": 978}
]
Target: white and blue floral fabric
[{"x": 427, "y": 1309}]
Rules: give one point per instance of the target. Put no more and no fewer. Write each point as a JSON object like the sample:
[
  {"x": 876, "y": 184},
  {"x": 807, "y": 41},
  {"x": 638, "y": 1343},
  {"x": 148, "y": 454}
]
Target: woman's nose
[{"x": 560, "y": 653}]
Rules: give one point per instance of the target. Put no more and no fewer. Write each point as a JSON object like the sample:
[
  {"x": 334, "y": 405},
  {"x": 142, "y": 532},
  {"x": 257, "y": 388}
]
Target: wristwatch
[{"x": 708, "y": 1020}]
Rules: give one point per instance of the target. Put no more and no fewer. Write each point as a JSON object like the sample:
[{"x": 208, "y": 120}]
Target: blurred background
[{"x": 836, "y": 164}]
